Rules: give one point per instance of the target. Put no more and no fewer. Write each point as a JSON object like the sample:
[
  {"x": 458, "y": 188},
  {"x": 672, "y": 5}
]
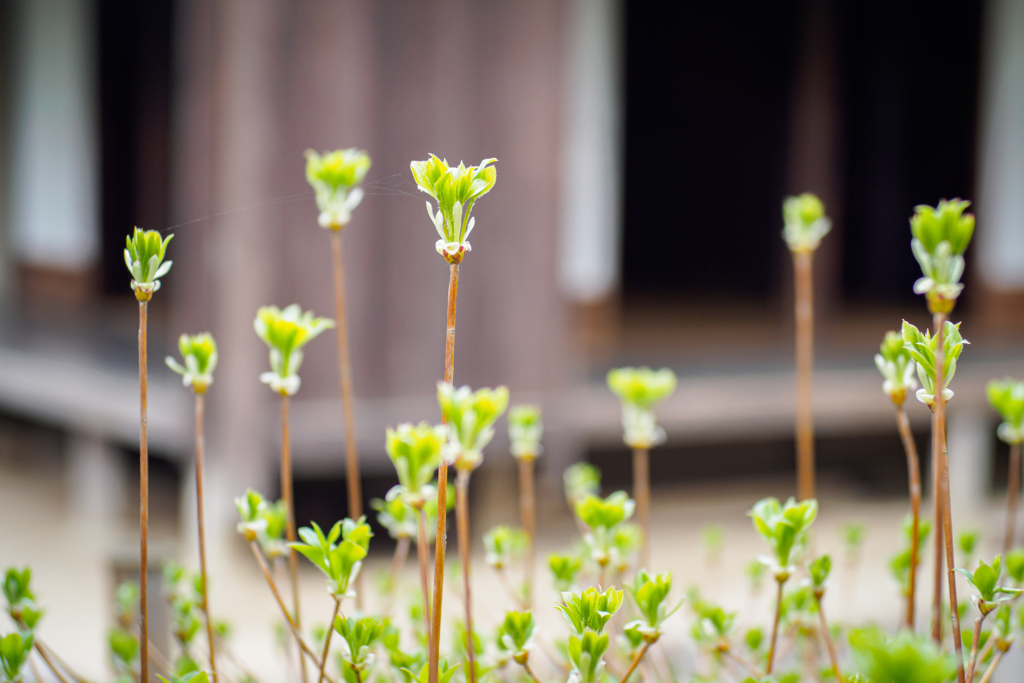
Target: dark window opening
[{"x": 135, "y": 65}]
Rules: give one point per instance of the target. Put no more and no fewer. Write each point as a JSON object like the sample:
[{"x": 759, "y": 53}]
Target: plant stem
[
  {"x": 992, "y": 666},
  {"x": 775, "y": 628},
  {"x": 939, "y": 439},
  {"x": 1012, "y": 491},
  {"x": 327, "y": 639},
  {"x": 200, "y": 466},
  {"x": 914, "y": 473},
  {"x": 421, "y": 554},
  {"x": 289, "y": 502},
  {"x": 987, "y": 649},
  {"x": 303, "y": 647},
  {"x": 804, "y": 368},
  {"x": 397, "y": 562},
  {"x": 45, "y": 651},
  {"x": 636, "y": 662},
  {"x": 442, "y": 485},
  {"x": 355, "y": 486},
  {"x": 743, "y": 663},
  {"x": 529, "y": 672},
  {"x": 827, "y": 637},
  {"x": 939, "y": 540},
  {"x": 642, "y": 495},
  {"x": 528, "y": 512},
  {"x": 143, "y": 488},
  {"x": 49, "y": 662},
  {"x": 462, "y": 523},
  {"x": 973, "y": 661}
]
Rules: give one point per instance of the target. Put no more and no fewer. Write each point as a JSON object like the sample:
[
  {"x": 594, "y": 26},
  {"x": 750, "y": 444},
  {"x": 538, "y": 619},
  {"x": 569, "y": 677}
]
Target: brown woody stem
[
  {"x": 992, "y": 666},
  {"x": 939, "y": 439},
  {"x": 528, "y": 512},
  {"x": 397, "y": 562},
  {"x": 289, "y": 502},
  {"x": 973, "y": 661},
  {"x": 939, "y": 538},
  {"x": 200, "y": 475},
  {"x": 327, "y": 639},
  {"x": 775, "y": 628},
  {"x": 635, "y": 663},
  {"x": 1012, "y": 492},
  {"x": 827, "y": 637},
  {"x": 804, "y": 368},
  {"x": 442, "y": 486},
  {"x": 914, "y": 474},
  {"x": 143, "y": 489},
  {"x": 642, "y": 495},
  {"x": 421, "y": 553},
  {"x": 462, "y": 524}
]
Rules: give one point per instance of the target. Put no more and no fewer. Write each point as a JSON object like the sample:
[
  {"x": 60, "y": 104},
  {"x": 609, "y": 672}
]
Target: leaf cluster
[
  {"x": 783, "y": 527},
  {"x": 923, "y": 346},
  {"x": 415, "y": 451},
  {"x": 200, "y": 355},
  {"x": 906, "y": 658},
  {"x": 14, "y": 652},
  {"x": 503, "y": 545},
  {"x": 804, "y": 222},
  {"x": 940, "y": 238},
  {"x": 1007, "y": 397},
  {"x": 285, "y": 332},
  {"x": 456, "y": 189},
  {"x": 580, "y": 480},
  {"x": 359, "y": 635},
  {"x": 588, "y": 613},
  {"x": 340, "y": 562},
  {"x": 263, "y": 521},
  {"x": 985, "y": 580},
  {"x": 470, "y": 416},
  {"x": 650, "y": 595},
  {"x": 525, "y": 428},
  {"x": 516, "y": 635},
  {"x": 334, "y": 177},
  {"x": 144, "y": 255},
  {"x": 897, "y": 367}
]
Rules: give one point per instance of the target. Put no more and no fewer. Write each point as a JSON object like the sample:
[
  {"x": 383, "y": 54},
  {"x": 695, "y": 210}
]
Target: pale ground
[{"x": 74, "y": 564}]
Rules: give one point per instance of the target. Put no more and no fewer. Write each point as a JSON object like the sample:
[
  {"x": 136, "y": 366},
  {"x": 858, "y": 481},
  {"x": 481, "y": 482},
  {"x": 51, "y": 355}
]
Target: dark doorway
[{"x": 135, "y": 65}]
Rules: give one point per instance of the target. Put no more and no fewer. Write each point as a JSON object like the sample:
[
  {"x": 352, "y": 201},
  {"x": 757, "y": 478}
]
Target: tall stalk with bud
[
  {"x": 525, "y": 428},
  {"x": 285, "y": 332},
  {"x": 940, "y": 236},
  {"x": 199, "y": 353},
  {"x": 144, "y": 255},
  {"x": 805, "y": 223},
  {"x": 897, "y": 367},
  {"x": 456, "y": 190},
  {"x": 1007, "y": 398},
  {"x": 335, "y": 177},
  {"x": 640, "y": 390}
]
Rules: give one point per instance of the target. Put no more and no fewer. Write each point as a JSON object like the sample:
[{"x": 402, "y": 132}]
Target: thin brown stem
[
  {"x": 635, "y": 663},
  {"x": 442, "y": 486},
  {"x": 742, "y": 663},
  {"x": 289, "y": 502},
  {"x": 827, "y": 637},
  {"x": 529, "y": 672},
  {"x": 642, "y": 495},
  {"x": 804, "y": 368},
  {"x": 973, "y": 661},
  {"x": 775, "y": 629},
  {"x": 143, "y": 487},
  {"x": 158, "y": 657},
  {"x": 47, "y": 654},
  {"x": 354, "y": 482},
  {"x": 992, "y": 667},
  {"x": 200, "y": 467},
  {"x": 528, "y": 512},
  {"x": 421, "y": 554},
  {"x": 462, "y": 524},
  {"x": 397, "y": 562},
  {"x": 939, "y": 539},
  {"x": 327, "y": 639},
  {"x": 1012, "y": 493},
  {"x": 983, "y": 655},
  {"x": 939, "y": 320},
  {"x": 914, "y": 474},
  {"x": 292, "y": 624},
  {"x": 50, "y": 663}
]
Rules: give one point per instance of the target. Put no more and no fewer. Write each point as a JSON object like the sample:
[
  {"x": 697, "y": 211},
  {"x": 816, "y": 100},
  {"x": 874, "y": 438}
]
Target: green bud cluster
[
  {"x": 263, "y": 521},
  {"x": 516, "y": 635},
  {"x": 144, "y": 256},
  {"x": 14, "y": 651},
  {"x": 906, "y": 657},
  {"x": 340, "y": 562},
  {"x": 334, "y": 177},
  {"x": 395, "y": 514},
  {"x": 1007, "y": 397},
  {"x": 897, "y": 367},
  {"x": 200, "y": 355},
  {"x": 580, "y": 480},
  {"x": 639, "y": 390},
  {"x": 940, "y": 238},
  {"x": 503, "y": 545},
  {"x": 804, "y": 222},
  {"x": 456, "y": 189},
  {"x": 588, "y": 613},
  {"x": 784, "y": 527},
  {"x": 922, "y": 347},
  {"x": 564, "y": 569},
  {"x": 650, "y": 595},
  {"x": 415, "y": 450},
  {"x": 359, "y": 636},
  {"x": 525, "y": 429},
  {"x": 285, "y": 332},
  {"x": 470, "y": 417},
  {"x": 985, "y": 580},
  {"x": 609, "y": 539}
]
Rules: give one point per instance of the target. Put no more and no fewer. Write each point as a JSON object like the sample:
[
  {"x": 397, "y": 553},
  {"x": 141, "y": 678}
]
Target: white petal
[
  {"x": 354, "y": 197},
  {"x": 469, "y": 228}
]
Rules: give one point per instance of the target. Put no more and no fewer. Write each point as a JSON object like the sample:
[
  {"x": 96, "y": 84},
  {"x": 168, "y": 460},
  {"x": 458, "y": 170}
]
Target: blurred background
[{"x": 644, "y": 149}]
